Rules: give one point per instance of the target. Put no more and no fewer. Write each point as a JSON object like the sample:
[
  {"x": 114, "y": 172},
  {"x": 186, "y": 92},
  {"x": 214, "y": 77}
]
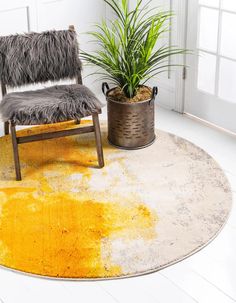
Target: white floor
[{"x": 207, "y": 277}]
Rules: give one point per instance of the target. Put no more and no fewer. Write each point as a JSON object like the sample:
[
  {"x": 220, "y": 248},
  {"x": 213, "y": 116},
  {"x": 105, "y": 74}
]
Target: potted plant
[{"x": 128, "y": 57}]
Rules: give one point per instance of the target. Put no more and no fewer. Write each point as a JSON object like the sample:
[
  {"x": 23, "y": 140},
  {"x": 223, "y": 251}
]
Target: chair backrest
[{"x": 39, "y": 57}]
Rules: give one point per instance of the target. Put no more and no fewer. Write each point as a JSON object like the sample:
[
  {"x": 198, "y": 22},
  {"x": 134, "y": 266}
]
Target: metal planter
[{"x": 131, "y": 125}]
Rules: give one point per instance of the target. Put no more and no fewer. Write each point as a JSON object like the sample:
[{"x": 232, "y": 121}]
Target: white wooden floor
[{"x": 207, "y": 277}]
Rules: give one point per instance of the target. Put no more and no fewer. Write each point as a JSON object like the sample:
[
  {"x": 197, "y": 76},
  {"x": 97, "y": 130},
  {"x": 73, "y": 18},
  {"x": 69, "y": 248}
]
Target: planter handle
[
  {"x": 154, "y": 92},
  {"x": 105, "y": 88}
]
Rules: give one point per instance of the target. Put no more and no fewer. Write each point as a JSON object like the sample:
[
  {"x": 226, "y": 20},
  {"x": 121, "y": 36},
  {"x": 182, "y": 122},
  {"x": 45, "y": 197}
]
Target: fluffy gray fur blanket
[
  {"x": 49, "y": 105},
  {"x": 39, "y": 57}
]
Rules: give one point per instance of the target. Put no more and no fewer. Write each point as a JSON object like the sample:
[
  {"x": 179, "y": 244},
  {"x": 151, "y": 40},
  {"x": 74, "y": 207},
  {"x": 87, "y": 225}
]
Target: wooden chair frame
[{"x": 95, "y": 127}]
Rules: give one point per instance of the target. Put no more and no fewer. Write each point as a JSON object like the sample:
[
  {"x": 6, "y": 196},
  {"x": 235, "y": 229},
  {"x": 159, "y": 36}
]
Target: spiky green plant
[{"x": 127, "y": 55}]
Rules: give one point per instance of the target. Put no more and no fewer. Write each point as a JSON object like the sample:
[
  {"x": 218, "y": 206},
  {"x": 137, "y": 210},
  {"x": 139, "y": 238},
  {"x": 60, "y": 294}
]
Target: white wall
[{"x": 38, "y": 15}]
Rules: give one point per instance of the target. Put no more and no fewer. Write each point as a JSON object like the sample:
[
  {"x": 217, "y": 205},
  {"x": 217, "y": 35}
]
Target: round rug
[{"x": 145, "y": 210}]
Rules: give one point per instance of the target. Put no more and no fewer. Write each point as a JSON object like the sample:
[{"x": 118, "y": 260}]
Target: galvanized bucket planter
[{"x": 130, "y": 125}]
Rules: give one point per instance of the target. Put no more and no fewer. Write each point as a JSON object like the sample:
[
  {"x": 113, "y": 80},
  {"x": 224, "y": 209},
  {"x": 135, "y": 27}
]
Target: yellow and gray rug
[{"x": 145, "y": 210}]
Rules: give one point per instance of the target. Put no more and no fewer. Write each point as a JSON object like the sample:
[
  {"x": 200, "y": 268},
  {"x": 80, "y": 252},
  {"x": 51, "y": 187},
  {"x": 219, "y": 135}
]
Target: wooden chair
[{"x": 10, "y": 125}]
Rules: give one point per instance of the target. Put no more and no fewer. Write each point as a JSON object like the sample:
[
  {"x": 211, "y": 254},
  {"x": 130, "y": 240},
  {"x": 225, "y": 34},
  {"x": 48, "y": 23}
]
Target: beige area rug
[{"x": 145, "y": 210}]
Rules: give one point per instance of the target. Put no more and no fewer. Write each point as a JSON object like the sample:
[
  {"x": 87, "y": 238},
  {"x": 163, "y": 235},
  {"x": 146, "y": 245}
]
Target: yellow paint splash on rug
[
  {"x": 46, "y": 228},
  {"x": 58, "y": 235}
]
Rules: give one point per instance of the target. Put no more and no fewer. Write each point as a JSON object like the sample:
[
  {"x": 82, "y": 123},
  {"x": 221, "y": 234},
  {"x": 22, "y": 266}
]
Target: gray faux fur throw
[
  {"x": 49, "y": 105},
  {"x": 39, "y": 57}
]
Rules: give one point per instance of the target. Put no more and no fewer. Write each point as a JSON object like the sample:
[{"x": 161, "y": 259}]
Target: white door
[
  {"x": 211, "y": 74},
  {"x": 166, "y": 80},
  {"x": 169, "y": 82}
]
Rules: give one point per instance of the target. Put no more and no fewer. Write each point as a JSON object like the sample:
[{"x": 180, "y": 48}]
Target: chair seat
[{"x": 50, "y": 105}]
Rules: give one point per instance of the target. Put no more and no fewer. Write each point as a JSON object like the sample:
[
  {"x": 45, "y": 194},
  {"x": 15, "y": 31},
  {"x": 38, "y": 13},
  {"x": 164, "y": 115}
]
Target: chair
[{"x": 37, "y": 58}]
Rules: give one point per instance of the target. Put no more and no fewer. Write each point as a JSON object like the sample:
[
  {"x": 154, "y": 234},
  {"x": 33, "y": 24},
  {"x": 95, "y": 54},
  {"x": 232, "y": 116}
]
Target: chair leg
[
  {"x": 98, "y": 138},
  {"x": 15, "y": 152},
  {"x": 6, "y": 128}
]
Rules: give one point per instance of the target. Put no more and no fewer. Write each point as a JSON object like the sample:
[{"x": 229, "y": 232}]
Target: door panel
[
  {"x": 211, "y": 76},
  {"x": 170, "y": 83},
  {"x": 17, "y": 17},
  {"x": 20, "y": 17},
  {"x": 166, "y": 81}
]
